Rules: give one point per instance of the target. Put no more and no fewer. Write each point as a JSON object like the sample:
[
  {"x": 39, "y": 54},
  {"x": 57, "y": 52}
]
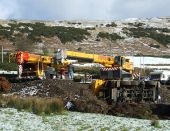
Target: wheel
[{"x": 125, "y": 83}]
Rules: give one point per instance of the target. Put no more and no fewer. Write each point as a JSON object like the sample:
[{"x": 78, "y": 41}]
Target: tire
[{"x": 125, "y": 83}]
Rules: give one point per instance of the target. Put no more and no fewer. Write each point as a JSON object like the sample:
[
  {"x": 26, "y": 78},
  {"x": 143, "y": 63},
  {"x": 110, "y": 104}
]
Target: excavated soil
[
  {"x": 141, "y": 110},
  {"x": 85, "y": 101},
  {"x": 79, "y": 94},
  {"x": 165, "y": 94}
]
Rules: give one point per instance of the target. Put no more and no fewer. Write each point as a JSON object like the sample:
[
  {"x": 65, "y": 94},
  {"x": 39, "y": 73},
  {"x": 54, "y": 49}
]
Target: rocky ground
[{"x": 85, "y": 101}]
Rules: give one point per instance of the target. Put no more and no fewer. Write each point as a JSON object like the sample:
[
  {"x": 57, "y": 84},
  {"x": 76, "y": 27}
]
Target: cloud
[
  {"x": 8, "y": 9},
  {"x": 141, "y": 8},
  {"x": 82, "y": 9}
]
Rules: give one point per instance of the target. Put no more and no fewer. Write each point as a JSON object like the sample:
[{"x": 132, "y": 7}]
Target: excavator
[{"x": 116, "y": 83}]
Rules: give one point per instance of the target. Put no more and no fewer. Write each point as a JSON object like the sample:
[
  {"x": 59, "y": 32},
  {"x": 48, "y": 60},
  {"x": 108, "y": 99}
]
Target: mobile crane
[
  {"x": 116, "y": 81},
  {"x": 32, "y": 65}
]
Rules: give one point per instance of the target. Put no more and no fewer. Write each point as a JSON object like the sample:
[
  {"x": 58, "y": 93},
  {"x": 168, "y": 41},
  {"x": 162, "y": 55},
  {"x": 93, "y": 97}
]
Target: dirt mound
[
  {"x": 5, "y": 86},
  {"x": 161, "y": 110},
  {"x": 165, "y": 94},
  {"x": 142, "y": 111},
  {"x": 67, "y": 90},
  {"x": 85, "y": 101}
]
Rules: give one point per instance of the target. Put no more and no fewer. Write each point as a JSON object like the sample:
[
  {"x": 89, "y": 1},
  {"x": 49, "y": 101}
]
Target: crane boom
[{"x": 106, "y": 61}]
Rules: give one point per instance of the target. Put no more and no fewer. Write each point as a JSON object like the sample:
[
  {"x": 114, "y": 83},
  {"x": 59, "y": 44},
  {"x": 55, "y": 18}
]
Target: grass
[
  {"x": 36, "y": 105},
  {"x": 123, "y": 128},
  {"x": 155, "y": 123}
]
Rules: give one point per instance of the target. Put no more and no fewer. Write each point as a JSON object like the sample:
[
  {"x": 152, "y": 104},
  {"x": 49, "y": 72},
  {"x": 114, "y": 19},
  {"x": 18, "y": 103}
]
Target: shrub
[
  {"x": 111, "y": 25},
  {"x": 106, "y": 35},
  {"x": 38, "y": 106},
  {"x": 8, "y": 66},
  {"x": 65, "y": 34},
  {"x": 148, "y": 32},
  {"x": 54, "y": 105}
]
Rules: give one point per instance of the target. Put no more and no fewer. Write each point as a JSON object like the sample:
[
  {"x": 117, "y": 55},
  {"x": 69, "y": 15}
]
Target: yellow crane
[{"x": 116, "y": 82}]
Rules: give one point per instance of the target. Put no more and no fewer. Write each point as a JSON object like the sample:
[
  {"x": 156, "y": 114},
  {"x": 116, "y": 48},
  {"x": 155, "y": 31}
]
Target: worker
[
  {"x": 70, "y": 71},
  {"x": 50, "y": 72},
  {"x": 62, "y": 73}
]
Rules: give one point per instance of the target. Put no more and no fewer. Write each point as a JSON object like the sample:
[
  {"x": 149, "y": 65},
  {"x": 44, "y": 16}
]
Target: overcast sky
[{"x": 83, "y": 9}]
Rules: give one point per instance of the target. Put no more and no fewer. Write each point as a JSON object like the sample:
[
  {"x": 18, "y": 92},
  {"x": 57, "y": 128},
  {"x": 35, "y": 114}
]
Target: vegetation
[
  {"x": 154, "y": 33},
  {"x": 155, "y": 123},
  {"x": 33, "y": 104},
  {"x": 111, "y": 25},
  {"x": 136, "y": 24},
  {"x": 35, "y": 31},
  {"x": 6, "y": 65},
  {"x": 106, "y": 35},
  {"x": 90, "y": 28}
]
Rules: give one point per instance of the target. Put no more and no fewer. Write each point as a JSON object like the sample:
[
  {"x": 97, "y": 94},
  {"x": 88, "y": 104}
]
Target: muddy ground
[
  {"x": 67, "y": 90},
  {"x": 85, "y": 101}
]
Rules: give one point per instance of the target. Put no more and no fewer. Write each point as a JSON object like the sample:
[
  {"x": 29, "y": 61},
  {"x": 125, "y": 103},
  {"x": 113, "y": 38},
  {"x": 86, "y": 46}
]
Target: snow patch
[{"x": 12, "y": 120}]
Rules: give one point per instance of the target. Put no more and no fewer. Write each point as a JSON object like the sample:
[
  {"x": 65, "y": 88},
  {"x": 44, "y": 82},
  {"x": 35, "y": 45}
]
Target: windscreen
[{"x": 155, "y": 76}]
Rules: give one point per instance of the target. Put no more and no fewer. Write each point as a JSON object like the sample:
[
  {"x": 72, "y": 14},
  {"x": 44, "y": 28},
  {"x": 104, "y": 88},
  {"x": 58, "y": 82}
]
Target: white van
[{"x": 162, "y": 76}]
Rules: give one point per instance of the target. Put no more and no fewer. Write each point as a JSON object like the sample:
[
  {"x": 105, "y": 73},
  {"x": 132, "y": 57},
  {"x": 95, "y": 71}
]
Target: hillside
[{"x": 128, "y": 37}]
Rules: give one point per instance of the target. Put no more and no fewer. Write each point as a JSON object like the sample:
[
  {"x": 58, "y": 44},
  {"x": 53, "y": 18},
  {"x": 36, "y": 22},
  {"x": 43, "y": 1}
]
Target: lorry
[
  {"x": 116, "y": 83},
  {"x": 160, "y": 75}
]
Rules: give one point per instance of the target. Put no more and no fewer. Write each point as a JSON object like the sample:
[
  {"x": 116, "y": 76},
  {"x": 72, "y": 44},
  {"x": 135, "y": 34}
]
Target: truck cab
[{"x": 162, "y": 76}]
